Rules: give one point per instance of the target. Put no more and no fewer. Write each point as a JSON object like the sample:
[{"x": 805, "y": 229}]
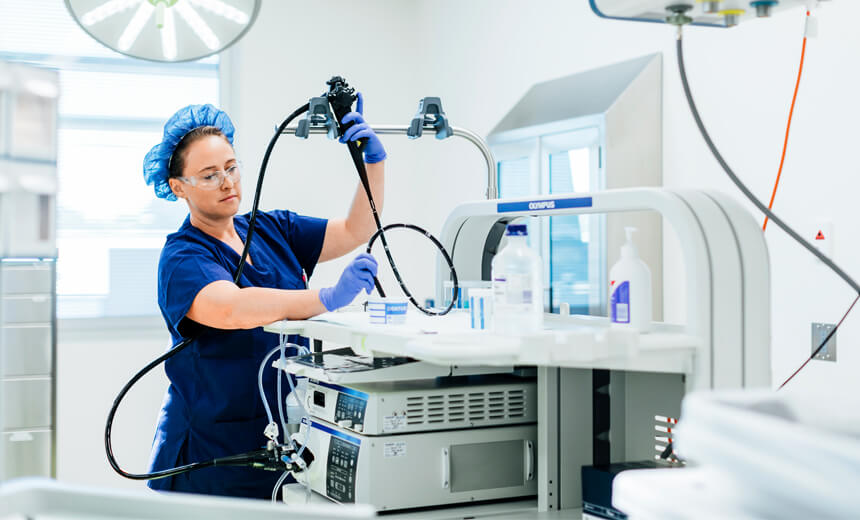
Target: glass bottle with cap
[{"x": 517, "y": 285}]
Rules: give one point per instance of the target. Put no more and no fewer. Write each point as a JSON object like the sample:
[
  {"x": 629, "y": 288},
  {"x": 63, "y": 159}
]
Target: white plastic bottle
[
  {"x": 517, "y": 286},
  {"x": 630, "y": 289}
]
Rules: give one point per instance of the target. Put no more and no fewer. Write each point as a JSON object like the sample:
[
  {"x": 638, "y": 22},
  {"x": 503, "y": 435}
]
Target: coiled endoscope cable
[
  {"x": 380, "y": 234},
  {"x": 340, "y": 97}
]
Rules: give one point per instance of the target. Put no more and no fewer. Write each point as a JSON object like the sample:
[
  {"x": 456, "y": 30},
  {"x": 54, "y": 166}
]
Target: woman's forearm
[
  {"x": 223, "y": 305},
  {"x": 257, "y": 306},
  {"x": 360, "y": 221}
]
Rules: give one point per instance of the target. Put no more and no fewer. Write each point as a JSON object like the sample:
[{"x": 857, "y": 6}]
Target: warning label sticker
[
  {"x": 395, "y": 449},
  {"x": 393, "y": 423}
]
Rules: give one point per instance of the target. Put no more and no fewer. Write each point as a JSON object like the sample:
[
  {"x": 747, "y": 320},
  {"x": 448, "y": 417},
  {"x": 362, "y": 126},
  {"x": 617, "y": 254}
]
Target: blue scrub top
[{"x": 212, "y": 407}]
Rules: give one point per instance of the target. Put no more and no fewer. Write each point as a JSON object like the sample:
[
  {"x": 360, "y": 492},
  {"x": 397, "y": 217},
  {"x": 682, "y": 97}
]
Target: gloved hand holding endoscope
[
  {"x": 373, "y": 150},
  {"x": 358, "y": 275}
]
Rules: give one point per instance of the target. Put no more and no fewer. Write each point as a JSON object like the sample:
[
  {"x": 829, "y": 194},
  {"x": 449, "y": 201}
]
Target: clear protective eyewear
[{"x": 214, "y": 180}]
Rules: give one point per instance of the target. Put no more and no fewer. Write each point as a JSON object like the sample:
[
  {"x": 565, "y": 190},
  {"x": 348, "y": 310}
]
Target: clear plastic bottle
[
  {"x": 517, "y": 286},
  {"x": 295, "y": 411}
]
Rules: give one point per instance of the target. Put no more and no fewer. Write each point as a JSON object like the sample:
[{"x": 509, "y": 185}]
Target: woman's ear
[{"x": 177, "y": 187}]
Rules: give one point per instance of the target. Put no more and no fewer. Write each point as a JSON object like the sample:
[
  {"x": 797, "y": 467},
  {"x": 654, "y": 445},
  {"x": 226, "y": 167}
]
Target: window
[
  {"x": 515, "y": 177},
  {"x": 571, "y": 246},
  {"x": 110, "y": 225}
]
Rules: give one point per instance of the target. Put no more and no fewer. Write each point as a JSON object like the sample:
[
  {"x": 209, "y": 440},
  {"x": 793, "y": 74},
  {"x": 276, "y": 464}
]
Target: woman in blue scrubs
[{"x": 212, "y": 407}]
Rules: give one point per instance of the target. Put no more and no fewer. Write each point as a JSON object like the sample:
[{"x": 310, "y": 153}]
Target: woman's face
[{"x": 206, "y": 161}]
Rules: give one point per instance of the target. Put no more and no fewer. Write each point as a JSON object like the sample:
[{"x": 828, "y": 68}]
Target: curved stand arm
[{"x": 492, "y": 187}]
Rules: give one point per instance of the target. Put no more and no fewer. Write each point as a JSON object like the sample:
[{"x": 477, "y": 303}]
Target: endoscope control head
[{"x": 341, "y": 97}]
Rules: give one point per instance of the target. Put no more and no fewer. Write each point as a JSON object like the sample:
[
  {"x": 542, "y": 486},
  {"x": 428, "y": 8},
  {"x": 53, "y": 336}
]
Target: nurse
[{"x": 212, "y": 406}]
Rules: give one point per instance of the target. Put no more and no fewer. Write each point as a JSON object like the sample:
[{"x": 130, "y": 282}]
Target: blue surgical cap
[{"x": 157, "y": 161}]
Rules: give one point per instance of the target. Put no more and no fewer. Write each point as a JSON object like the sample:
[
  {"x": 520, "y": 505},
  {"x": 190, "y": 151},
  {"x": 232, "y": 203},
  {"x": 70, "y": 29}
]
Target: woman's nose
[{"x": 227, "y": 183}]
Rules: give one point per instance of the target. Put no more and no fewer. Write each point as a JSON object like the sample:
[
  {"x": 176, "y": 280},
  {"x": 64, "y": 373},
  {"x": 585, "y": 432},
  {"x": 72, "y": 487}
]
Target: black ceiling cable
[{"x": 752, "y": 198}]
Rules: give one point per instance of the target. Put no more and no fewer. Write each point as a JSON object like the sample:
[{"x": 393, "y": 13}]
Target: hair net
[{"x": 156, "y": 162}]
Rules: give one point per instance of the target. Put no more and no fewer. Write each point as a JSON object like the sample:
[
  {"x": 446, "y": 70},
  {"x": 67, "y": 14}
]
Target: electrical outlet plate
[{"x": 819, "y": 334}]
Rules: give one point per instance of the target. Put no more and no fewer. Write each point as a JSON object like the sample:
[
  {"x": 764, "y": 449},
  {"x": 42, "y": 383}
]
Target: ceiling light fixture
[
  {"x": 149, "y": 29},
  {"x": 168, "y": 35}
]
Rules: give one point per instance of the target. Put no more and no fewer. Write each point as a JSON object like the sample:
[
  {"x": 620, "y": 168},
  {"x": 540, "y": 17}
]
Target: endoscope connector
[
  {"x": 297, "y": 461},
  {"x": 271, "y": 458},
  {"x": 678, "y": 14}
]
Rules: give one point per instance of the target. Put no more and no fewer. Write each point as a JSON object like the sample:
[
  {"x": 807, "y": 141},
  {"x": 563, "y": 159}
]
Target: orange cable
[{"x": 788, "y": 127}]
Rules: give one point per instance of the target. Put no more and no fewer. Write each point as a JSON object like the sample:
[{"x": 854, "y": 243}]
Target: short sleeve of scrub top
[
  {"x": 212, "y": 407},
  {"x": 193, "y": 269}
]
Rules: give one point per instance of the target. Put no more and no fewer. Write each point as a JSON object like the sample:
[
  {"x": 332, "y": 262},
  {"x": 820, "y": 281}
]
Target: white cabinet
[{"x": 28, "y": 187}]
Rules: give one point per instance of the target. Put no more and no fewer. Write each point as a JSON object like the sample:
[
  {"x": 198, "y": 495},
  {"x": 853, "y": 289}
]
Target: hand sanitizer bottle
[{"x": 630, "y": 289}]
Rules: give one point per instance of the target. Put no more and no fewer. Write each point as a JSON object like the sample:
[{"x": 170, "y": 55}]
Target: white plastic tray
[{"x": 567, "y": 341}]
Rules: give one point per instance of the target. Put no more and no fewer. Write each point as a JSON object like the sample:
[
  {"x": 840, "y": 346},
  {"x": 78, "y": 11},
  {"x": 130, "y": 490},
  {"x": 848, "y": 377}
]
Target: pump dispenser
[{"x": 630, "y": 289}]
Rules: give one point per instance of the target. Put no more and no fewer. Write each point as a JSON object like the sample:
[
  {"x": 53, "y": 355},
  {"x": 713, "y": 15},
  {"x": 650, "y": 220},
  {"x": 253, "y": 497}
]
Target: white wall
[
  {"x": 94, "y": 362},
  {"x": 481, "y": 56},
  {"x": 381, "y": 47}
]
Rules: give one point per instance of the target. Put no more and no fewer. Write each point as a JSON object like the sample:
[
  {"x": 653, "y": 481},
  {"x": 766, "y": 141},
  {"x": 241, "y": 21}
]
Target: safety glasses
[{"x": 214, "y": 180}]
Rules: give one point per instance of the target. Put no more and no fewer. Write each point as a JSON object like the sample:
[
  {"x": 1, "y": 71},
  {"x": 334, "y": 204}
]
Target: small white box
[{"x": 390, "y": 311}]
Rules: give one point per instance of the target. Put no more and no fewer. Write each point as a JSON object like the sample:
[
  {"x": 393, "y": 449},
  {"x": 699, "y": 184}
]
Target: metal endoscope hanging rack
[{"x": 428, "y": 108}]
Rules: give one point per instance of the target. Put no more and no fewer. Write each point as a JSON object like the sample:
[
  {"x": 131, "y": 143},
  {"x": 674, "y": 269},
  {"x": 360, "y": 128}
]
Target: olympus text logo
[{"x": 544, "y": 204}]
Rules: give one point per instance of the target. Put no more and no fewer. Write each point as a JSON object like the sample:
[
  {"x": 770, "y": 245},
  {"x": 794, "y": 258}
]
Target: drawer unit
[
  {"x": 27, "y": 403},
  {"x": 27, "y": 350},
  {"x": 26, "y": 278},
  {"x": 28, "y": 254},
  {"x": 27, "y": 454},
  {"x": 28, "y": 309}
]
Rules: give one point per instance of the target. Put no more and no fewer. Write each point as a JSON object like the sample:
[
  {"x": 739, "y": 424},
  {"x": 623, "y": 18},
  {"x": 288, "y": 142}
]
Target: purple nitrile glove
[
  {"x": 358, "y": 275},
  {"x": 373, "y": 150}
]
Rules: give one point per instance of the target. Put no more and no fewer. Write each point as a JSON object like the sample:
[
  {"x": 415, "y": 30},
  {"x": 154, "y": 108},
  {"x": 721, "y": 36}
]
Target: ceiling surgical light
[
  {"x": 132, "y": 30},
  {"x": 168, "y": 36},
  {"x": 107, "y": 10},
  {"x": 221, "y": 9},
  {"x": 165, "y": 30},
  {"x": 200, "y": 28}
]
